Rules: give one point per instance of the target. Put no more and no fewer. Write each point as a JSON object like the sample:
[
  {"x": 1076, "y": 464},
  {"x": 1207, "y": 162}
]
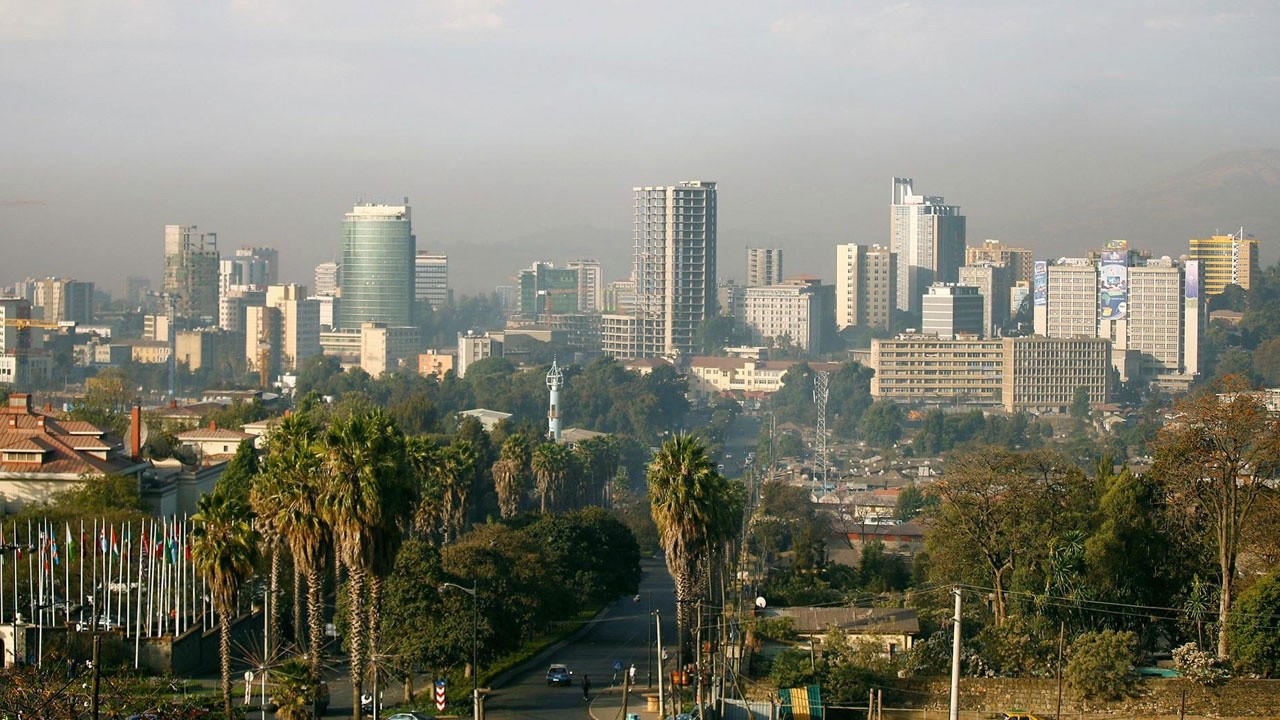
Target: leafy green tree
[
  {"x": 238, "y": 477},
  {"x": 1217, "y": 457},
  {"x": 882, "y": 424},
  {"x": 911, "y": 501},
  {"x": 997, "y": 510},
  {"x": 792, "y": 668},
  {"x": 224, "y": 549},
  {"x": 1101, "y": 665},
  {"x": 931, "y": 439},
  {"x": 1080, "y": 404},
  {"x": 879, "y": 571},
  {"x": 572, "y": 543},
  {"x": 1255, "y": 645},
  {"x": 1132, "y": 557}
]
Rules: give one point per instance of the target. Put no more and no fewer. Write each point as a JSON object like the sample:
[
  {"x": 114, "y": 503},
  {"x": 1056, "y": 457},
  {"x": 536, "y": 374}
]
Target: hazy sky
[{"x": 264, "y": 120}]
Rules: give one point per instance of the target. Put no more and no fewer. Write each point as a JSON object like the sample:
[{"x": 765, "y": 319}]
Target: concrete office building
[
  {"x": 928, "y": 237},
  {"x": 590, "y": 285},
  {"x": 64, "y": 300},
  {"x": 994, "y": 282},
  {"x": 328, "y": 277},
  {"x": 378, "y": 251},
  {"x": 252, "y": 266},
  {"x": 1019, "y": 260},
  {"x": 674, "y": 269},
  {"x": 866, "y": 286},
  {"x": 1041, "y": 374},
  {"x": 476, "y": 346},
  {"x": 546, "y": 289},
  {"x": 191, "y": 272},
  {"x": 798, "y": 309},
  {"x": 620, "y": 297},
  {"x": 950, "y": 311},
  {"x": 764, "y": 266},
  {"x": 299, "y": 324},
  {"x": 431, "y": 278},
  {"x": 1226, "y": 260},
  {"x": 232, "y": 304},
  {"x": 1152, "y": 311},
  {"x": 386, "y": 349},
  {"x": 1024, "y": 373}
]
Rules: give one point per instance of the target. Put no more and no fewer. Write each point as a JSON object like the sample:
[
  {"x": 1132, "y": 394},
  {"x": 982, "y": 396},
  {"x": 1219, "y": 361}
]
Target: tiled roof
[
  {"x": 206, "y": 434},
  {"x": 868, "y": 621}
]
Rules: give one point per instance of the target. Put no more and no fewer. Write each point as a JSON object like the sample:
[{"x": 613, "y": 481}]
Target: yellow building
[{"x": 1227, "y": 260}]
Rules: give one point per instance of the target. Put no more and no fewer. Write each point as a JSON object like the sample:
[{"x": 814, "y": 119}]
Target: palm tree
[
  {"x": 294, "y": 467},
  {"x": 264, "y": 492},
  {"x": 510, "y": 475},
  {"x": 361, "y": 452},
  {"x": 696, "y": 509},
  {"x": 550, "y": 465},
  {"x": 428, "y": 516},
  {"x": 224, "y": 548},
  {"x": 455, "y": 470}
]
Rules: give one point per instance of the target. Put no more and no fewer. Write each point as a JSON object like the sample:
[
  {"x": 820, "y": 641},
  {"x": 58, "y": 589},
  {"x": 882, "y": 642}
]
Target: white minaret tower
[{"x": 554, "y": 380}]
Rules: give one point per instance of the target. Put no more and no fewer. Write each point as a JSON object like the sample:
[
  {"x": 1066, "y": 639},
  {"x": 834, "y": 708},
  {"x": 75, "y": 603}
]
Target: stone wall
[{"x": 1157, "y": 698}]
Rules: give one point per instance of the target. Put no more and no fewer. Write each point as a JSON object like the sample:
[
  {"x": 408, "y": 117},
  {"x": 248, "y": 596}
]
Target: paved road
[{"x": 619, "y": 635}]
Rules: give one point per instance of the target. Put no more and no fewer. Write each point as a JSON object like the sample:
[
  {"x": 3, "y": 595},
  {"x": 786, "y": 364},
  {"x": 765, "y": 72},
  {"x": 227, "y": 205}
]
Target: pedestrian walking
[
  {"x": 586, "y": 687},
  {"x": 631, "y": 675}
]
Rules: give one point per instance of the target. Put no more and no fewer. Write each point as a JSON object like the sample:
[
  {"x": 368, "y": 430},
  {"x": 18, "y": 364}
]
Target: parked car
[
  {"x": 410, "y": 716},
  {"x": 559, "y": 674}
]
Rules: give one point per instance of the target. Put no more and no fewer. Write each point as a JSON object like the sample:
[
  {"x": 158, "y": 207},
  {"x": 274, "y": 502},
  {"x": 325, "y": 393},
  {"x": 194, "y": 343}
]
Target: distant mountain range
[{"x": 1217, "y": 196}]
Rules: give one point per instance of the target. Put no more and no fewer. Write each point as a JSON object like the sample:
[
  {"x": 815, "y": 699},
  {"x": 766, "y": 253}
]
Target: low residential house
[
  {"x": 906, "y": 538},
  {"x": 488, "y": 418},
  {"x": 891, "y": 630},
  {"x": 41, "y": 455},
  {"x": 213, "y": 444}
]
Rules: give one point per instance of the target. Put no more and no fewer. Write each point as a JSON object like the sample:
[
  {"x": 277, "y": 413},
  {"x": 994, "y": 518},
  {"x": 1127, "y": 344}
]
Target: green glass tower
[{"x": 378, "y": 249}]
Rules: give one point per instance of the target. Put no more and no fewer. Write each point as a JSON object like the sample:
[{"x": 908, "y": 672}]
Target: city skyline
[{"x": 802, "y": 112}]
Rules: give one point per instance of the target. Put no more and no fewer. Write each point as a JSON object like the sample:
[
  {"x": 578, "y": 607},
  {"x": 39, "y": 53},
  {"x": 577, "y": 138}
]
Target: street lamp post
[{"x": 475, "y": 621}]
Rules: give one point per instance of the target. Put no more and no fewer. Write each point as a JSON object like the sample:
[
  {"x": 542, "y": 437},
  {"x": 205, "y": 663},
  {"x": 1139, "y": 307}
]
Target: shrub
[
  {"x": 1101, "y": 665},
  {"x": 1198, "y": 666}
]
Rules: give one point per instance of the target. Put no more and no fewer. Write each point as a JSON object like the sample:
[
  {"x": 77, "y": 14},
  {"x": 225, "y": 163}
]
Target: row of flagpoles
[{"x": 143, "y": 589}]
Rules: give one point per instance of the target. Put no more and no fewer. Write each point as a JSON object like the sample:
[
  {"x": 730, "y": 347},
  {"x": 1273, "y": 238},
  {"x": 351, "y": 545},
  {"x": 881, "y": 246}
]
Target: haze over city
[{"x": 518, "y": 129}]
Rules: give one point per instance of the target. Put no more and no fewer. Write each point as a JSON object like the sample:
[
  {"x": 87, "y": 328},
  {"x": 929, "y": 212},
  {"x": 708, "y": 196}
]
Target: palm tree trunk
[
  {"x": 274, "y": 609},
  {"x": 224, "y": 653},
  {"x": 373, "y": 615},
  {"x": 297, "y": 607},
  {"x": 358, "y": 649},
  {"x": 315, "y": 620}
]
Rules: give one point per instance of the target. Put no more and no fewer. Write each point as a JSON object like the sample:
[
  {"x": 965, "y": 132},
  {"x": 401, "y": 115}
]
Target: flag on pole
[
  {"x": 71, "y": 545},
  {"x": 144, "y": 540},
  {"x": 102, "y": 540},
  {"x": 115, "y": 543},
  {"x": 53, "y": 549}
]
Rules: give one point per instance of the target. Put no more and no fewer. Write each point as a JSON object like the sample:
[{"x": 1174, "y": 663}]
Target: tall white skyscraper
[
  {"x": 431, "y": 278},
  {"x": 866, "y": 286},
  {"x": 674, "y": 269},
  {"x": 928, "y": 237}
]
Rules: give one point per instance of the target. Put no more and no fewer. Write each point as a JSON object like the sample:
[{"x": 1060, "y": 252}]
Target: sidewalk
[{"x": 607, "y": 704}]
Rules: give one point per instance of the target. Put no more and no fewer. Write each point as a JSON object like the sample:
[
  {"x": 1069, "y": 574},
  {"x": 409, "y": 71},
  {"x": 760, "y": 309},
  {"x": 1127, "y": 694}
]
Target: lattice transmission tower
[{"x": 820, "y": 382}]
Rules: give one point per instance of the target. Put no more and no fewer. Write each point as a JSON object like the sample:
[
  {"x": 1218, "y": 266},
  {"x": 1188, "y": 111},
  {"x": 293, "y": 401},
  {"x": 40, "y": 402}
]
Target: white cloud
[{"x": 98, "y": 20}]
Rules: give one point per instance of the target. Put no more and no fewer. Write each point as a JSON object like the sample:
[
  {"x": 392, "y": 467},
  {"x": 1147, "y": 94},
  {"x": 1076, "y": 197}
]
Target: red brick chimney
[
  {"x": 213, "y": 424},
  {"x": 135, "y": 433}
]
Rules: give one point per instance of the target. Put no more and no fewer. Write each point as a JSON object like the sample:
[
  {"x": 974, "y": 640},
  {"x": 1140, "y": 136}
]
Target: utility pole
[
  {"x": 662, "y": 705},
  {"x": 955, "y": 660}
]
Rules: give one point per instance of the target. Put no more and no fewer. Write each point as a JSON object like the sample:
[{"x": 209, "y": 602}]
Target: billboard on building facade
[
  {"x": 1113, "y": 285},
  {"x": 1040, "y": 283},
  {"x": 1193, "y": 279}
]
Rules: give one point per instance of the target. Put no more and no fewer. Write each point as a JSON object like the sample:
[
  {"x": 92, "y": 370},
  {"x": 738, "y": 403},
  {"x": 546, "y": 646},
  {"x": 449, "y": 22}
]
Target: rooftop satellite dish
[{"x": 760, "y": 602}]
